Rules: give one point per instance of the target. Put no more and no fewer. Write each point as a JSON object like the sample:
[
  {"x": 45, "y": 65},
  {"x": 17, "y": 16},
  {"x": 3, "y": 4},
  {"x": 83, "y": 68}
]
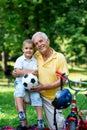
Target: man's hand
[{"x": 39, "y": 88}]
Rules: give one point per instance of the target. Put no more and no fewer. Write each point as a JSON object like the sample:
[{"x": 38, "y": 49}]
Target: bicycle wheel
[{"x": 72, "y": 125}]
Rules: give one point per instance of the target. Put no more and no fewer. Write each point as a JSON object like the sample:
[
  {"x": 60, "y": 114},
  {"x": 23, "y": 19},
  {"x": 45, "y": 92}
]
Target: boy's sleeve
[
  {"x": 35, "y": 66},
  {"x": 18, "y": 64}
]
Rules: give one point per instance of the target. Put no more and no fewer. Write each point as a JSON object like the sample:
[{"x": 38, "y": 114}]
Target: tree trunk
[{"x": 4, "y": 62}]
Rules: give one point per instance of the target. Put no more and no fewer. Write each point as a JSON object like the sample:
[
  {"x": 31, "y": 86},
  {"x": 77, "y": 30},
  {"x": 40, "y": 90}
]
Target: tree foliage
[{"x": 64, "y": 21}]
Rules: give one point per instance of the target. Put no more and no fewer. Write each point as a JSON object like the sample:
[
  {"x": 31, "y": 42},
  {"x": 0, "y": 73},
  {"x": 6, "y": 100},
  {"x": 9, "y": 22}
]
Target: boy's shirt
[{"x": 23, "y": 63}]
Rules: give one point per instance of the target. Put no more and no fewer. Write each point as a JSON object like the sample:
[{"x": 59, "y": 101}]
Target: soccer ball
[{"x": 29, "y": 81}]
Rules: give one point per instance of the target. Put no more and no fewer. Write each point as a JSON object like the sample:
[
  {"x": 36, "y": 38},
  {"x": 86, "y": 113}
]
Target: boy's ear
[{"x": 22, "y": 49}]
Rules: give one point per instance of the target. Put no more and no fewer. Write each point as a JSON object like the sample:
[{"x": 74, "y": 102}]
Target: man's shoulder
[
  {"x": 37, "y": 53},
  {"x": 58, "y": 54}
]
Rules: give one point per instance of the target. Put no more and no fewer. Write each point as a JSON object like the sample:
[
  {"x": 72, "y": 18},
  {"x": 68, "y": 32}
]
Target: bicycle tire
[{"x": 72, "y": 125}]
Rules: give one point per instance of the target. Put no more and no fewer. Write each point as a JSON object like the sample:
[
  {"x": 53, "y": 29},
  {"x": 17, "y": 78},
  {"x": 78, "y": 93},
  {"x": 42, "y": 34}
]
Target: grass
[
  {"x": 7, "y": 109},
  {"x": 81, "y": 104},
  {"x": 8, "y": 113}
]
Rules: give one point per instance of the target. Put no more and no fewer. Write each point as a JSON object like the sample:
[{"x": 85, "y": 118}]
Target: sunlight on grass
[
  {"x": 77, "y": 76},
  {"x": 6, "y": 89},
  {"x": 78, "y": 72}
]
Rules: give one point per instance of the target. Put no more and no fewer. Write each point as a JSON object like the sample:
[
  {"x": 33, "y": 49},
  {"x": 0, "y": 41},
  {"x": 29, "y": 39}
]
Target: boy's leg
[
  {"x": 37, "y": 102},
  {"x": 40, "y": 121},
  {"x": 21, "y": 108},
  {"x": 39, "y": 111},
  {"x": 19, "y": 102}
]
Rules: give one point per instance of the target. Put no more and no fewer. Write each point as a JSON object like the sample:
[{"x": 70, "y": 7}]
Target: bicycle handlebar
[
  {"x": 64, "y": 77},
  {"x": 78, "y": 82}
]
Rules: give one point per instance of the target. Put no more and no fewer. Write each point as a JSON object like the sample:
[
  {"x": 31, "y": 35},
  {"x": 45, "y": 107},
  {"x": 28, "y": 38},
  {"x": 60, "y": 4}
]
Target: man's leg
[{"x": 49, "y": 112}]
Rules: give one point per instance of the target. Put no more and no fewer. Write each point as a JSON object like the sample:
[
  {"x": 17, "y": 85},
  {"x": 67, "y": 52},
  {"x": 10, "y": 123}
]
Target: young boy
[{"x": 23, "y": 65}]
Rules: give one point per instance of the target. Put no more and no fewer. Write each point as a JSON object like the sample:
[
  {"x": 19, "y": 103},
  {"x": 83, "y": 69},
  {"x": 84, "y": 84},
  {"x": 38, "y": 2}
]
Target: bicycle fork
[
  {"x": 72, "y": 117},
  {"x": 82, "y": 125}
]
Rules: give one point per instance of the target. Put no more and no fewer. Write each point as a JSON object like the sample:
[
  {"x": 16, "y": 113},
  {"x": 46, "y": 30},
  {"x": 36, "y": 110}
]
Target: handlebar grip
[{"x": 61, "y": 75}]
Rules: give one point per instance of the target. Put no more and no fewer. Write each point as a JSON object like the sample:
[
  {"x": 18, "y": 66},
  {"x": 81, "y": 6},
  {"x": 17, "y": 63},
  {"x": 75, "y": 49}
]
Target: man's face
[{"x": 41, "y": 43}]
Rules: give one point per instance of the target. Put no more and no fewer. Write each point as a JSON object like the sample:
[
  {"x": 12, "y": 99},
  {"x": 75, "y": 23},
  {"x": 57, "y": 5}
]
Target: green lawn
[{"x": 8, "y": 113}]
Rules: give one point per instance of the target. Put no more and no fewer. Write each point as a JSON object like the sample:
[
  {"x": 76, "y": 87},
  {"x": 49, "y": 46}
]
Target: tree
[{"x": 63, "y": 21}]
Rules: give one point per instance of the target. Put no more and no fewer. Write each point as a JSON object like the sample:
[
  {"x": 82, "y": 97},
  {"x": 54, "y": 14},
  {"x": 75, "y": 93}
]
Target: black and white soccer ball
[{"x": 29, "y": 81}]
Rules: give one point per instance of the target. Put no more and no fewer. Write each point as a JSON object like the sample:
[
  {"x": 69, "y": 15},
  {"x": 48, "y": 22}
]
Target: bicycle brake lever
[{"x": 61, "y": 75}]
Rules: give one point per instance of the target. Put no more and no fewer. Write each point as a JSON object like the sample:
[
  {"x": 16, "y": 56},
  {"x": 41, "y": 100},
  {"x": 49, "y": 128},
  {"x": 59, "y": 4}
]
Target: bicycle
[{"x": 74, "y": 120}]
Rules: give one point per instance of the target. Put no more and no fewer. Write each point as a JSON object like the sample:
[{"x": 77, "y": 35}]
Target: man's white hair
[{"x": 40, "y": 33}]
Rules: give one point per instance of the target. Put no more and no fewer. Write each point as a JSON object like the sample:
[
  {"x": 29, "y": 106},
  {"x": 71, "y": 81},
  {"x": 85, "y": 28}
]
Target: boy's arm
[{"x": 20, "y": 72}]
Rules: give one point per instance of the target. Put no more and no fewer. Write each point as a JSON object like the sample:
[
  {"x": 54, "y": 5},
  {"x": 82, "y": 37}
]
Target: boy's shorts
[
  {"x": 34, "y": 97},
  {"x": 19, "y": 89}
]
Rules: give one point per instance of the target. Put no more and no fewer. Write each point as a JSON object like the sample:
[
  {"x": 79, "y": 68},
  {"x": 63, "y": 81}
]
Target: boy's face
[{"x": 28, "y": 50}]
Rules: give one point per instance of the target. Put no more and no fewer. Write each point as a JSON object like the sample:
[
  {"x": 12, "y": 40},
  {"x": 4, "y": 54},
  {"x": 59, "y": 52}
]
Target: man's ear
[{"x": 48, "y": 41}]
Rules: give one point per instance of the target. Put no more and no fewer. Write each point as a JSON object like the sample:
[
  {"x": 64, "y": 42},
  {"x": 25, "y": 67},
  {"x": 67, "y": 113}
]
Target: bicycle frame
[
  {"x": 74, "y": 120},
  {"x": 79, "y": 123},
  {"x": 74, "y": 116}
]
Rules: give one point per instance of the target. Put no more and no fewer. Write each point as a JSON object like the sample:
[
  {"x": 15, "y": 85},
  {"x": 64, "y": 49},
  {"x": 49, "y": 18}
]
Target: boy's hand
[
  {"x": 14, "y": 73},
  {"x": 35, "y": 72}
]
